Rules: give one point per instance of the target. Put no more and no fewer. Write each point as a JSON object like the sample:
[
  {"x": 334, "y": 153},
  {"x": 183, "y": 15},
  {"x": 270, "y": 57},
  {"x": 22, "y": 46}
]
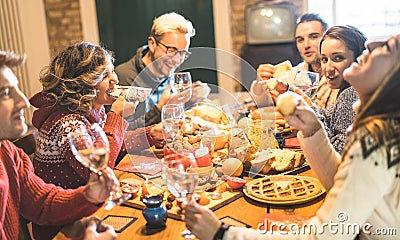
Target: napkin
[
  {"x": 292, "y": 142},
  {"x": 141, "y": 164}
]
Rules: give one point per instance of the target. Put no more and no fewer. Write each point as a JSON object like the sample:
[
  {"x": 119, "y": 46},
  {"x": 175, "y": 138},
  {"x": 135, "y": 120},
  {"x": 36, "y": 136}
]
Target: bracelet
[
  {"x": 221, "y": 231},
  {"x": 314, "y": 131}
]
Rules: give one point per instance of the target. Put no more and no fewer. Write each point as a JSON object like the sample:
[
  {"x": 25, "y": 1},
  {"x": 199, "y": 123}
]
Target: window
[{"x": 376, "y": 19}]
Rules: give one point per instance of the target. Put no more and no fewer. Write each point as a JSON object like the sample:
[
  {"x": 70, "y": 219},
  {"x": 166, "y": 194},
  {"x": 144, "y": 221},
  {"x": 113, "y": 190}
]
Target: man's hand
[{"x": 99, "y": 186}]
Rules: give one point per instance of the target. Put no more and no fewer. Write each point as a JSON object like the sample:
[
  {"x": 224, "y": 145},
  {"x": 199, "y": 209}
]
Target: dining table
[{"x": 243, "y": 208}]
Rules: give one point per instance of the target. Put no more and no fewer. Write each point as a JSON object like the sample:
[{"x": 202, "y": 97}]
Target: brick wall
[{"x": 64, "y": 24}]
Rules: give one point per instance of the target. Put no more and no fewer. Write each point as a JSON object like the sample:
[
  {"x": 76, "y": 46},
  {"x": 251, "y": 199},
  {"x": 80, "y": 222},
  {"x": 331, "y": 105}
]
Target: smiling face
[
  {"x": 335, "y": 58},
  {"x": 373, "y": 65},
  {"x": 104, "y": 87},
  {"x": 163, "y": 65},
  {"x": 308, "y": 35},
  {"x": 12, "y": 105}
]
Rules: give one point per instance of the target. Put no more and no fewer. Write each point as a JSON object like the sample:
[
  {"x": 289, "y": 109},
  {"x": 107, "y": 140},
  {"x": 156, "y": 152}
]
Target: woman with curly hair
[{"x": 75, "y": 89}]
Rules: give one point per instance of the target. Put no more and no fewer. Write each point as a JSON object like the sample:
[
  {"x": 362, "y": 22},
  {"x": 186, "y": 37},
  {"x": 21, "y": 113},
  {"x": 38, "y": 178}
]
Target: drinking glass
[
  {"x": 91, "y": 148},
  {"x": 181, "y": 84},
  {"x": 306, "y": 81},
  {"x": 171, "y": 117},
  {"x": 181, "y": 182}
]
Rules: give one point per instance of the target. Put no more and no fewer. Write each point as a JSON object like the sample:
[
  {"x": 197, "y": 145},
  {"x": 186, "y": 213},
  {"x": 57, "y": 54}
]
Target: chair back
[{"x": 28, "y": 144}]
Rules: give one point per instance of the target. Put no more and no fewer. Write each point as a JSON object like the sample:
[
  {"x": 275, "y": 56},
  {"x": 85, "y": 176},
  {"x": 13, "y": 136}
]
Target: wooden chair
[{"x": 28, "y": 144}]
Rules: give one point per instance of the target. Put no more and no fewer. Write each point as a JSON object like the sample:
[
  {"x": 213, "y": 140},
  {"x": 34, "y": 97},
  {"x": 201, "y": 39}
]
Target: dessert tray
[{"x": 284, "y": 189}]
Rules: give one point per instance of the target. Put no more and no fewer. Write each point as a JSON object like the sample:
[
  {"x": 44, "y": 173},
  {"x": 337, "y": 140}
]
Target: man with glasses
[{"x": 151, "y": 67}]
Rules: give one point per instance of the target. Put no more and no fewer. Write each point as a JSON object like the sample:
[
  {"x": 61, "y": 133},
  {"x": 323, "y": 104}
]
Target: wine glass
[
  {"x": 91, "y": 148},
  {"x": 180, "y": 180},
  {"x": 181, "y": 84},
  {"x": 171, "y": 117},
  {"x": 306, "y": 81}
]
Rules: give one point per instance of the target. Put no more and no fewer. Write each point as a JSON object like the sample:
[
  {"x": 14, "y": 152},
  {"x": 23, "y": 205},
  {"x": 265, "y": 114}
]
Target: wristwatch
[{"x": 221, "y": 231}]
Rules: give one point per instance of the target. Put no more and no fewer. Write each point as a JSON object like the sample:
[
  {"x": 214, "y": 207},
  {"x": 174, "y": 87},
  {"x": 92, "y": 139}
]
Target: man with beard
[{"x": 153, "y": 64}]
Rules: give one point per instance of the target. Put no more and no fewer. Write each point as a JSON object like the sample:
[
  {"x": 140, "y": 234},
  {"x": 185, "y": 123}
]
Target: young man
[
  {"x": 22, "y": 192},
  {"x": 153, "y": 64},
  {"x": 309, "y": 30}
]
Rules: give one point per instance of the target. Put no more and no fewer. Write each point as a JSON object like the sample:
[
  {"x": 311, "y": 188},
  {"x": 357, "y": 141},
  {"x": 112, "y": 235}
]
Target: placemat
[
  {"x": 141, "y": 164},
  {"x": 119, "y": 223},
  {"x": 292, "y": 142}
]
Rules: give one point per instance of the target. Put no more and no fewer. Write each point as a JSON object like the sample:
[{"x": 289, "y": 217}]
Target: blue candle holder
[{"x": 155, "y": 213}]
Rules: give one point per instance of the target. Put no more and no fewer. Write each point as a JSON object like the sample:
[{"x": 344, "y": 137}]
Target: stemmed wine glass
[
  {"x": 91, "y": 148},
  {"x": 171, "y": 116},
  {"x": 306, "y": 81},
  {"x": 181, "y": 84},
  {"x": 180, "y": 180}
]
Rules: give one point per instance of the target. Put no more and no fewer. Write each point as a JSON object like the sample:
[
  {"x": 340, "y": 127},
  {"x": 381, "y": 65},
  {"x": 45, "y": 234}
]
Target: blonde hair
[
  {"x": 71, "y": 79},
  {"x": 171, "y": 22},
  {"x": 11, "y": 59}
]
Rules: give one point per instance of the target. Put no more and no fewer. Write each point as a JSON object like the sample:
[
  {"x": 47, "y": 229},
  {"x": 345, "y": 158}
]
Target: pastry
[
  {"x": 284, "y": 188},
  {"x": 287, "y": 103}
]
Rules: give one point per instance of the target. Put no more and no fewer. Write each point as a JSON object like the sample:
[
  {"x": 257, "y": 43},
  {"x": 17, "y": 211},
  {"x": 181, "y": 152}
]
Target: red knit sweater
[
  {"x": 54, "y": 161},
  {"x": 22, "y": 192}
]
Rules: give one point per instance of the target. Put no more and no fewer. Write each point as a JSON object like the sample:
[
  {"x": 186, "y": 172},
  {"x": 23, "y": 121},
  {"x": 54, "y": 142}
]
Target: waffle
[{"x": 284, "y": 188}]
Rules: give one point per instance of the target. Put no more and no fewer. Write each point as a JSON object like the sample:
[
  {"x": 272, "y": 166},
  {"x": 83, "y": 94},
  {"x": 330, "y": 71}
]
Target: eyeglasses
[{"x": 173, "y": 51}]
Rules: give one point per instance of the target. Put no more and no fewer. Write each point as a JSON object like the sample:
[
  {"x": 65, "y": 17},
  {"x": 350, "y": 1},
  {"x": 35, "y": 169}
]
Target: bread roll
[{"x": 287, "y": 103}]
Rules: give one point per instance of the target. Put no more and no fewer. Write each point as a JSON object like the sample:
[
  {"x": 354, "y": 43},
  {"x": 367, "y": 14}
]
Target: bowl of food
[{"x": 132, "y": 93}]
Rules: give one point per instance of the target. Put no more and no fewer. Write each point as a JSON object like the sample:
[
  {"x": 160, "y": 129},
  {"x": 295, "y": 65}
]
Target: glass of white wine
[
  {"x": 181, "y": 182},
  {"x": 306, "y": 81},
  {"x": 91, "y": 148},
  {"x": 181, "y": 84}
]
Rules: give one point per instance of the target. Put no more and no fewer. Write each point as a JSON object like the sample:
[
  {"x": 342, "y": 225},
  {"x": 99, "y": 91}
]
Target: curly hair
[{"x": 71, "y": 79}]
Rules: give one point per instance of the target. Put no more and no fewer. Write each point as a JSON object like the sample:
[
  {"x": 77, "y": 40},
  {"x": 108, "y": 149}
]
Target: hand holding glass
[
  {"x": 181, "y": 84},
  {"x": 306, "y": 81},
  {"x": 181, "y": 182},
  {"x": 91, "y": 148}
]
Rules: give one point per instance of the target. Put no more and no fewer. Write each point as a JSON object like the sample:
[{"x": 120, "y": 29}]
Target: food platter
[{"x": 284, "y": 189}]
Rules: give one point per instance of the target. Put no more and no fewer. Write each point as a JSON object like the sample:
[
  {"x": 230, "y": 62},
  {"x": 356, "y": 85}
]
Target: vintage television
[{"x": 270, "y": 22}]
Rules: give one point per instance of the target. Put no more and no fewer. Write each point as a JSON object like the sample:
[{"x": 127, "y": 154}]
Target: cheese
[{"x": 282, "y": 68}]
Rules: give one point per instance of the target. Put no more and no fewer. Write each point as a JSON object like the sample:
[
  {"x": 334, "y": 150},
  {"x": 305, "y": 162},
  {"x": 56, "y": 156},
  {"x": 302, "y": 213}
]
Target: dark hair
[
  {"x": 308, "y": 17},
  {"x": 353, "y": 38}
]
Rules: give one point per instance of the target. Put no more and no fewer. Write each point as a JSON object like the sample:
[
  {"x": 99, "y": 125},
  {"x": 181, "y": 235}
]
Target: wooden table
[{"x": 243, "y": 209}]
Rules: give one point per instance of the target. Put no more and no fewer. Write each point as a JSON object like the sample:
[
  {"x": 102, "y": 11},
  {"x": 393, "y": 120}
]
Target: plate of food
[{"x": 284, "y": 189}]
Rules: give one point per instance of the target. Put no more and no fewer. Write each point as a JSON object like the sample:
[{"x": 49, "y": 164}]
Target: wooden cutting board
[{"x": 175, "y": 212}]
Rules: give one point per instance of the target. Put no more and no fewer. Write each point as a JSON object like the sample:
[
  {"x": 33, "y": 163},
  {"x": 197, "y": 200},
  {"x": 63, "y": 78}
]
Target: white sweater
[{"x": 362, "y": 189}]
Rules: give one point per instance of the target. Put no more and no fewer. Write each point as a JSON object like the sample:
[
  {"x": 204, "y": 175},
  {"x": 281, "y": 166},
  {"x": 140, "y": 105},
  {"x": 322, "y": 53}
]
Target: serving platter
[{"x": 175, "y": 212}]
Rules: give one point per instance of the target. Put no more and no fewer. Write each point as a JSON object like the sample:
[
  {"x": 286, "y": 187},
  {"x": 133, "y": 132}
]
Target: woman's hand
[
  {"x": 303, "y": 95},
  {"x": 156, "y": 132},
  {"x": 201, "y": 221},
  {"x": 305, "y": 120},
  {"x": 98, "y": 187},
  {"x": 122, "y": 107}
]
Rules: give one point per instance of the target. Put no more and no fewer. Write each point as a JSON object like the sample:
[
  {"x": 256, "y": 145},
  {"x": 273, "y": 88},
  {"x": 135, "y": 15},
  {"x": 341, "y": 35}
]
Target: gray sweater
[{"x": 134, "y": 73}]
